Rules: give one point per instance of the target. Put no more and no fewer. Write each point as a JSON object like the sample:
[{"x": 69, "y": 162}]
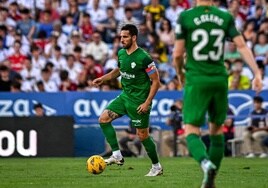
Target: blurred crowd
[{"x": 62, "y": 45}]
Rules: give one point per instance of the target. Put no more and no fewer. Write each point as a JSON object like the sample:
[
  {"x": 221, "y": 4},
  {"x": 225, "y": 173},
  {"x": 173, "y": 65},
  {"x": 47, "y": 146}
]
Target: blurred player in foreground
[{"x": 202, "y": 31}]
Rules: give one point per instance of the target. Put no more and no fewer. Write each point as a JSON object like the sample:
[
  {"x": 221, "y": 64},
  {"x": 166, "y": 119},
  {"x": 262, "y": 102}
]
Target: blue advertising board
[{"x": 86, "y": 107}]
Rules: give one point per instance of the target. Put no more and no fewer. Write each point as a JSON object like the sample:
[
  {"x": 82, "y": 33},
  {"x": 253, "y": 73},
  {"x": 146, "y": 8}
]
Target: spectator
[
  {"x": 257, "y": 18},
  {"x": 249, "y": 34},
  {"x": 14, "y": 11},
  {"x": 69, "y": 26},
  {"x": 76, "y": 41},
  {"x": 157, "y": 48},
  {"x": 175, "y": 121},
  {"x": 256, "y": 130},
  {"x": 136, "y": 7},
  {"x": 49, "y": 84},
  {"x": 166, "y": 34},
  {"x": 264, "y": 77},
  {"x": 184, "y": 4},
  {"x": 5, "y": 19},
  {"x": 39, "y": 87},
  {"x": 98, "y": 49},
  {"x": 173, "y": 11},
  {"x": 29, "y": 73},
  {"x": 39, "y": 110},
  {"x": 236, "y": 80},
  {"x": 86, "y": 26},
  {"x": 26, "y": 25},
  {"x": 143, "y": 36},
  {"x": 66, "y": 83},
  {"x": 97, "y": 14},
  {"x": 48, "y": 7},
  {"x": 58, "y": 60},
  {"x": 128, "y": 19},
  {"x": 73, "y": 10},
  {"x": 154, "y": 12},
  {"x": 108, "y": 26},
  {"x": 46, "y": 24},
  {"x": 231, "y": 53},
  {"x": 73, "y": 67},
  {"x": 15, "y": 87},
  {"x": 5, "y": 82},
  {"x": 261, "y": 47},
  {"x": 38, "y": 61},
  {"x": 3, "y": 50},
  {"x": 119, "y": 11},
  {"x": 17, "y": 58}
]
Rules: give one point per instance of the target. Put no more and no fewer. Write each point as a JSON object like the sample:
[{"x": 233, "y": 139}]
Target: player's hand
[
  {"x": 257, "y": 83},
  {"x": 97, "y": 82},
  {"x": 143, "y": 108}
]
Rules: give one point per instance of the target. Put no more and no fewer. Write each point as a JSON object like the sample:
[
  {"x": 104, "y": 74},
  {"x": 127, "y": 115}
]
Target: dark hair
[
  {"x": 77, "y": 49},
  {"x": 38, "y": 105},
  {"x": 169, "y": 24},
  {"x": 133, "y": 30},
  {"x": 258, "y": 99},
  {"x": 16, "y": 85},
  {"x": 3, "y": 68},
  {"x": 64, "y": 75}
]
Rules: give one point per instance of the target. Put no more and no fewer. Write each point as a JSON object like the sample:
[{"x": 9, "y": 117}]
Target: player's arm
[
  {"x": 179, "y": 49},
  {"x": 178, "y": 58},
  {"x": 249, "y": 58},
  {"x": 111, "y": 75},
  {"x": 154, "y": 76}
]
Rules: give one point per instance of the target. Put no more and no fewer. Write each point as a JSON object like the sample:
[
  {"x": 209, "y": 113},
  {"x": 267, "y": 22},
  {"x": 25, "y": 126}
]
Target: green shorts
[
  {"x": 122, "y": 105},
  {"x": 200, "y": 99}
]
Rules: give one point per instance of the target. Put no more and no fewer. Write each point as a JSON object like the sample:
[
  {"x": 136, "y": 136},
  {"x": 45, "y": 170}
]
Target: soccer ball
[{"x": 95, "y": 164}]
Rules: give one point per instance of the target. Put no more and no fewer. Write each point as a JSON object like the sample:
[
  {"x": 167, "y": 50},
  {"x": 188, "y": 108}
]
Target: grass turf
[{"x": 178, "y": 172}]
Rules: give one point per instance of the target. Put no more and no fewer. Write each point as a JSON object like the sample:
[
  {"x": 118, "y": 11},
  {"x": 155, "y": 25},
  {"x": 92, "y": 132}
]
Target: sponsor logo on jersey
[
  {"x": 133, "y": 65},
  {"x": 136, "y": 122},
  {"x": 127, "y": 76}
]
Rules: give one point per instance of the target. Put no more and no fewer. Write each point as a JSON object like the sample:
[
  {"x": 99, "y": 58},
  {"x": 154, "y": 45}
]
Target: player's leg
[
  {"x": 217, "y": 114},
  {"x": 113, "y": 111},
  {"x": 196, "y": 102},
  {"x": 141, "y": 123},
  {"x": 149, "y": 145},
  {"x": 195, "y": 106}
]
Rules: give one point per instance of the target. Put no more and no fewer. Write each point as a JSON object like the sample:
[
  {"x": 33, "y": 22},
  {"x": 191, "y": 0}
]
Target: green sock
[
  {"x": 196, "y": 147},
  {"x": 110, "y": 135},
  {"x": 150, "y": 148},
  {"x": 216, "y": 149}
]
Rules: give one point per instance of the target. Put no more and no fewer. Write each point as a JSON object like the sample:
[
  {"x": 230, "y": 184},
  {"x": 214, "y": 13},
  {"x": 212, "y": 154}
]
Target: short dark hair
[
  {"x": 38, "y": 105},
  {"x": 133, "y": 30},
  {"x": 258, "y": 99}
]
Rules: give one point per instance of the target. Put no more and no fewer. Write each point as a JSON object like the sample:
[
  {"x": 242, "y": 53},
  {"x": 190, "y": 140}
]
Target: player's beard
[{"x": 128, "y": 45}]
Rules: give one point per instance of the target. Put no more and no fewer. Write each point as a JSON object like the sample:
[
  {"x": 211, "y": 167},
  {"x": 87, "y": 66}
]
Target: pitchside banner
[
  {"x": 36, "y": 137},
  {"x": 86, "y": 107}
]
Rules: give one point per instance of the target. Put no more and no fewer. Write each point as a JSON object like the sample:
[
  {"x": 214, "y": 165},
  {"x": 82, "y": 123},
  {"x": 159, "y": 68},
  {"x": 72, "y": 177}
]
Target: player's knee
[
  {"x": 216, "y": 130},
  {"x": 143, "y": 135},
  {"x": 104, "y": 118}
]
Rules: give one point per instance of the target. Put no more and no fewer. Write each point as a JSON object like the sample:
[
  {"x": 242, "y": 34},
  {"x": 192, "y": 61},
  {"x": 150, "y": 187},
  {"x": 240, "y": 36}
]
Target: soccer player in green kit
[
  {"x": 140, "y": 83},
  {"x": 201, "y": 31}
]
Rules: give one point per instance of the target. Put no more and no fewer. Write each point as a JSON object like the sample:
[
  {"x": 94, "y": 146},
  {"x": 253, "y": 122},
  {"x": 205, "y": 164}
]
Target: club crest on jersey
[{"x": 133, "y": 65}]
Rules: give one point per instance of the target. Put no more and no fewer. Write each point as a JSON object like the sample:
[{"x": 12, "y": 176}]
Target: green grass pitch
[{"x": 178, "y": 172}]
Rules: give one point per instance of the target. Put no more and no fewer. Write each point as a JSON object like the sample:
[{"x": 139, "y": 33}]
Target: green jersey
[
  {"x": 135, "y": 81},
  {"x": 204, "y": 29}
]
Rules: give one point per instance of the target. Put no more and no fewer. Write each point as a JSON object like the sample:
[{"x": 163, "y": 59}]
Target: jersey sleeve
[
  {"x": 149, "y": 65},
  {"x": 232, "y": 31},
  {"x": 179, "y": 28}
]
